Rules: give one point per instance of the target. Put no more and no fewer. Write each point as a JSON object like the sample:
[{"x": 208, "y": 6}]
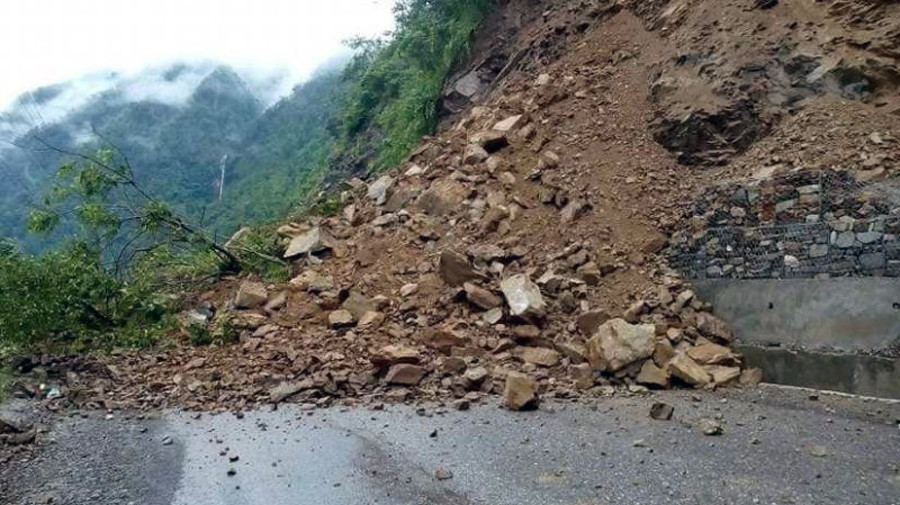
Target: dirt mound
[{"x": 526, "y": 237}]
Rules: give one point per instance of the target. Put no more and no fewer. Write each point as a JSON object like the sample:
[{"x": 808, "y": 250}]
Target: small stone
[
  {"x": 520, "y": 391},
  {"x": 313, "y": 241},
  {"x": 340, "y": 319},
  {"x": 251, "y": 295},
  {"x": 652, "y": 375},
  {"x": 661, "y": 411},
  {"x": 408, "y": 290},
  {"x": 455, "y": 268},
  {"x": 582, "y": 375},
  {"x": 167, "y": 440},
  {"x": 443, "y": 474},
  {"x": 689, "y": 371},
  {"x": 751, "y": 376},
  {"x": 711, "y": 427},
  {"x": 538, "y": 356},
  {"x": 481, "y": 297},
  {"x": 406, "y": 375},
  {"x": 474, "y": 154}
]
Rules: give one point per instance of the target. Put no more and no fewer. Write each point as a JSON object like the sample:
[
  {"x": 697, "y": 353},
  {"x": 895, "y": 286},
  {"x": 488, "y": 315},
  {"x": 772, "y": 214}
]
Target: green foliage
[
  {"x": 398, "y": 82},
  {"x": 66, "y": 297},
  {"x": 6, "y": 379}
]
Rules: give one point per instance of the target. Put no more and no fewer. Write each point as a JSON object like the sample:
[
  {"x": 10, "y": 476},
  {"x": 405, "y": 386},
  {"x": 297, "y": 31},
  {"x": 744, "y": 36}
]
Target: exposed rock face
[{"x": 617, "y": 344}]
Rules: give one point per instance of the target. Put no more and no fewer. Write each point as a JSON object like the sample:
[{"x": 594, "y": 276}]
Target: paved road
[{"x": 778, "y": 447}]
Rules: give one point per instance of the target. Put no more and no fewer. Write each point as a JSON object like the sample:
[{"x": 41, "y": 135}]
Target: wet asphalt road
[{"x": 778, "y": 447}]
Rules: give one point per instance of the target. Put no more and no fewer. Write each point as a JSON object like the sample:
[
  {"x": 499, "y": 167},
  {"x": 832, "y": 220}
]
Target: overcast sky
[{"x": 48, "y": 41}]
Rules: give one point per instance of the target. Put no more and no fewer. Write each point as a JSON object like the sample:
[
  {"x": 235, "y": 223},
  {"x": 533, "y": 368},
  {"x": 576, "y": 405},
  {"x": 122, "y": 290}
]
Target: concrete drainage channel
[{"x": 834, "y": 334}]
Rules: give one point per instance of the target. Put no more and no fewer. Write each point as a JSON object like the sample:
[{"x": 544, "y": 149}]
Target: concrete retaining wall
[{"x": 847, "y": 314}]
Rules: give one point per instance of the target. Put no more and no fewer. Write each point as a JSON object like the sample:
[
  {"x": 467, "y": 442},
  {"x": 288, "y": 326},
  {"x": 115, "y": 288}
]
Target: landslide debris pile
[{"x": 524, "y": 250}]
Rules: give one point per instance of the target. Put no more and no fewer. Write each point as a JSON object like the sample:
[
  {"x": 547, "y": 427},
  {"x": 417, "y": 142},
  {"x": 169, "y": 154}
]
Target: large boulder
[
  {"x": 313, "y": 241},
  {"x": 617, "y": 344},
  {"x": 523, "y": 297}
]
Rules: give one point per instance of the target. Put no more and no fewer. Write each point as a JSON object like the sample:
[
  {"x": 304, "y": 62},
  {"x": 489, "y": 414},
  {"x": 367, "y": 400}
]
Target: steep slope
[{"x": 584, "y": 134}]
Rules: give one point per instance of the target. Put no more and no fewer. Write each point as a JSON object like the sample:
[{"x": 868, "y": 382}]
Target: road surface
[{"x": 778, "y": 447}]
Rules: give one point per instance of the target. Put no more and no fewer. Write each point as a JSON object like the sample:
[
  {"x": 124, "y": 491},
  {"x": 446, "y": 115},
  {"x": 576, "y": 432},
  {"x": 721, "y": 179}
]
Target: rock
[
  {"x": 371, "y": 319},
  {"x": 476, "y": 375},
  {"x": 689, "y": 371},
  {"x": 712, "y": 354},
  {"x": 455, "y": 268},
  {"x": 652, "y": 375},
  {"x": 582, "y": 375},
  {"x": 663, "y": 352},
  {"x": 408, "y": 290},
  {"x": 340, "y": 319},
  {"x": 444, "y": 197},
  {"x": 844, "y": 239},
  {"x": 617, "y": 344},
  {"x": 520, "y": 391},
  {"x": 655, "y": 245},
  {"x": 710, "y": 427},
  {"x": 872, "y": 261},
  {"x": 575, "y": 352},
  {"x": 493, "y": 316},
  {"x": 635, "y": 311},
  {"x": 714, "y": 328},
  {"x": 817, "y": 251},
  {"x": 573, "y": 210},
  {"x": 285, "y": 390},
  {"x": 251, "y": 295},
  {"x": 16, "y": 416},
  {"x": 454, "y": 365},
  {"x": 538, "y": 356},
  {"x": 443, "y": 340},
  {"x": 523, "y": 297},
  {"x": 474, "y": 154},
  {"x": 313, "y": 241},
  {"x": 661, "y": 411},
  {"x": 682, "y": 300},
  {"x": 723, "y": 374},
  {"x": 405, "y": 375},
  {"x": 378, "y": 190},
  {"x": 588, "y": 322},
  {"x": 751, "y": 376},
  {"x": 313, "y": 281},
  {"x": 508, "y": 124},
  {"x": 390, "y": 355},
  {"x": 481, "y": 297},
  {"x": 443, "y": 474},
  {"x": 492, "y": 141}
]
